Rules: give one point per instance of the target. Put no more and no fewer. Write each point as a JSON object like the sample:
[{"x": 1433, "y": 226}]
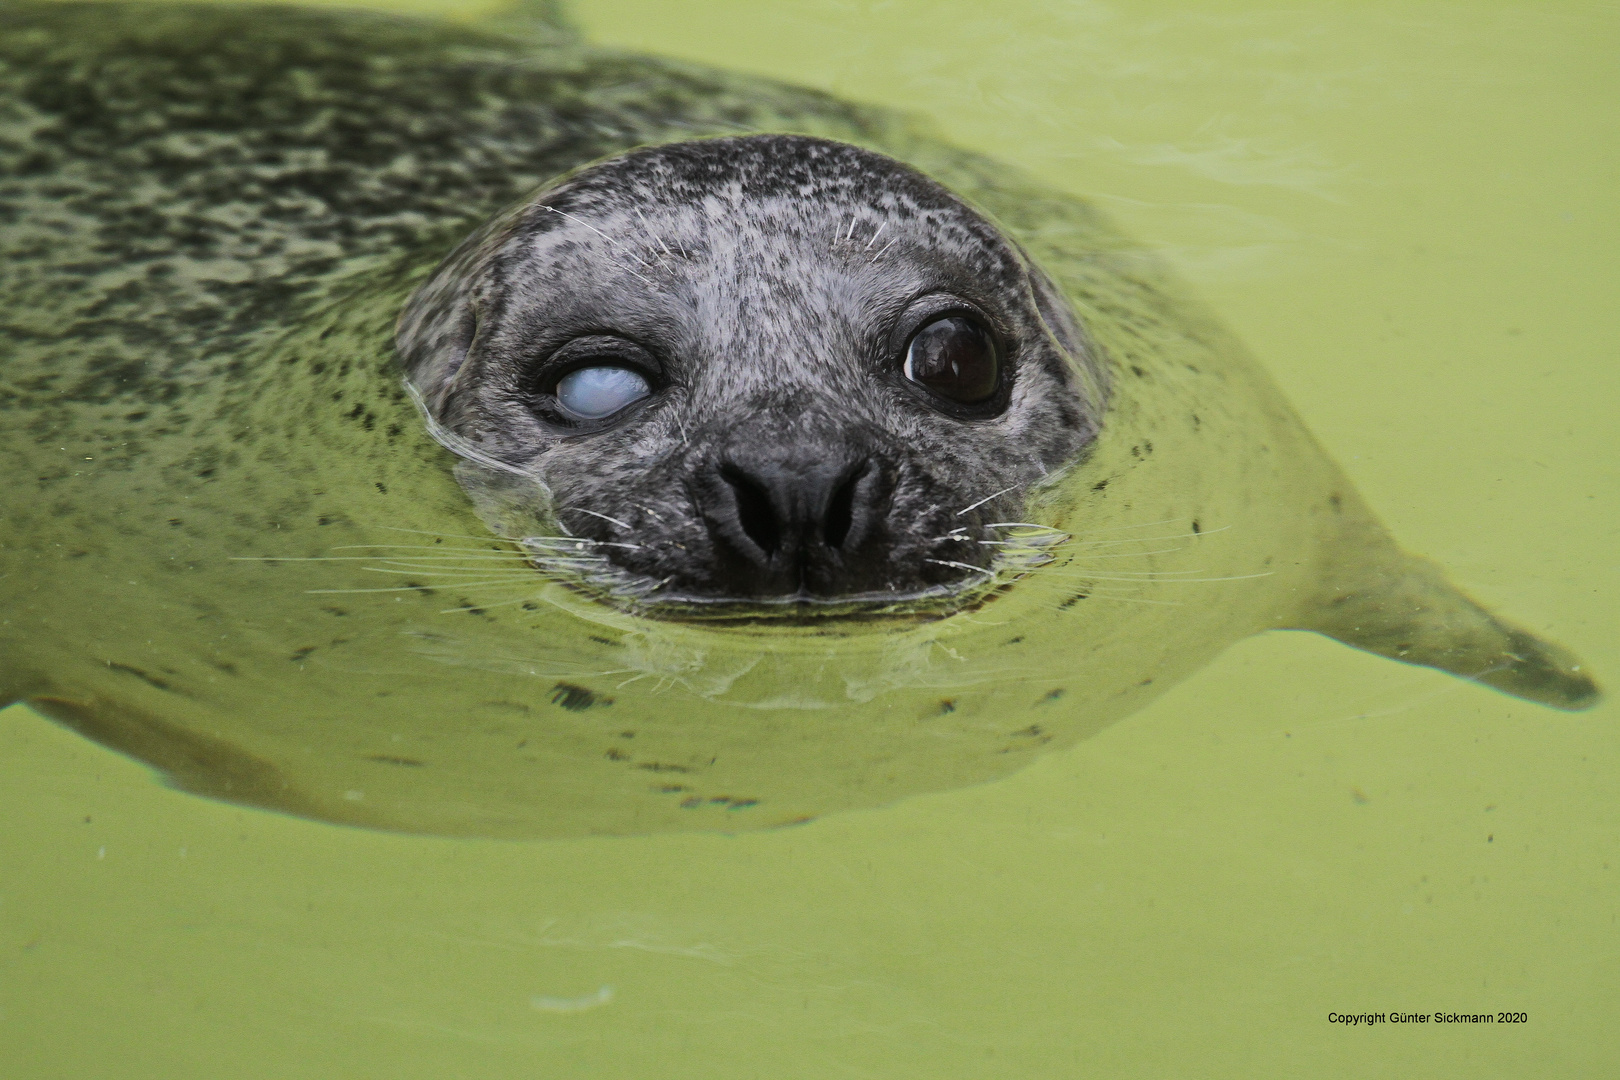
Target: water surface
[{"x": 1407, "y": 210}]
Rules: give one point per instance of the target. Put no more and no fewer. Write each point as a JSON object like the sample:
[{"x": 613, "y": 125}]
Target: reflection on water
[{"x": 1421, "y": 234}]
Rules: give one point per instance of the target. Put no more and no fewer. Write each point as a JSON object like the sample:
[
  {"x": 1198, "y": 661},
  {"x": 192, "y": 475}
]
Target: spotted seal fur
[{"x": 307, "y": 514}]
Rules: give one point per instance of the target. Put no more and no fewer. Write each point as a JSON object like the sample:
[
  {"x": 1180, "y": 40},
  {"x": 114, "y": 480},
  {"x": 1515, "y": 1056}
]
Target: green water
[{"x": 1407, "y": 210}]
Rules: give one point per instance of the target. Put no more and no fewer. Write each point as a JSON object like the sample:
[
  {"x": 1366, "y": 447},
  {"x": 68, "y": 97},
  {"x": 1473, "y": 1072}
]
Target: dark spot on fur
[
  {"x": 656, "y": 766},
  {"x": 1196, "y": 528},
  {"x": 509, "y": 706},
  {"x": 1099, "y": 485},
  {"x": 387, "y": 759},
  {"x": 948, "y": 705},
  {"x": 302, "y": 654},
  {"x": 602, "y": 640},
  {"x": 576, "y": 698},
  {"x": 382, "y": 488},
  {"x": 1053, "y": 695},
  {"x": 1014, "y": 641},
  {"x": 1073, "y": 600},
  {"x": 150, "y": 680},
  {"x": 615, "y": 754},
  {"x": 1138, "y": 372}
]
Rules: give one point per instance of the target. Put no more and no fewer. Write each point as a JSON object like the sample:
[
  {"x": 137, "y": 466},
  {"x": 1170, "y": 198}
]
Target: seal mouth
[{"x": 580, "y": 565}]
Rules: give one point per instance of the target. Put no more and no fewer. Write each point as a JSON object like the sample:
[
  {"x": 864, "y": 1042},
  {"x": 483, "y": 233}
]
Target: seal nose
[
  {"x": 794, "y": 522},
  {"x": 808, "y": 508}
]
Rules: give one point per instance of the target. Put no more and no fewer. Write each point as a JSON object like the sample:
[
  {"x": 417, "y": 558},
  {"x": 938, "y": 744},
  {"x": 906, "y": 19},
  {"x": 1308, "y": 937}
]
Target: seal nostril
[
  {"x": 754, "y": 511},
  {"x": 841, "y": 510}
]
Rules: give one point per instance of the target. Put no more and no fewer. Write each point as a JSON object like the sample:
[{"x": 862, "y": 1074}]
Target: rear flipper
[{"x": 1379, "y": 598}]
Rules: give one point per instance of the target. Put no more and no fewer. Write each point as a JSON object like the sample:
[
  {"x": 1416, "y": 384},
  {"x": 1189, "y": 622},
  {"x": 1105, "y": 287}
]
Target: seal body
[{"x": 250, "y": 543}]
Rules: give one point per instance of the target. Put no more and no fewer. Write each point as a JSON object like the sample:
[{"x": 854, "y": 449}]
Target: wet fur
[{"x": 212, "y": 219}]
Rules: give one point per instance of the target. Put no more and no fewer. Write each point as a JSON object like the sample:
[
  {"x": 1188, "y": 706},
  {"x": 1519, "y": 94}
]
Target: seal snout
[{"x": 793, "y": 525}]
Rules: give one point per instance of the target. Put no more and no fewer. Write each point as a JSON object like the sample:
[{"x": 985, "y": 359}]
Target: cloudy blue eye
[{"x": 594, "y": 392}]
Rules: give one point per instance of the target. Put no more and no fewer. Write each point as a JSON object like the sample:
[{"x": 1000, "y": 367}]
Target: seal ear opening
[{"x": 1376, "y": 597}]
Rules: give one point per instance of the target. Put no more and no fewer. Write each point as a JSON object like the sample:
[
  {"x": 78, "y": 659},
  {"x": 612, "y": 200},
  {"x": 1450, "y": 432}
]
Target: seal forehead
[{"x": 761, "y": 187}]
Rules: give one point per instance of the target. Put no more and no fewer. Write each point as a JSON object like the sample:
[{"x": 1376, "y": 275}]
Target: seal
[{"x": 467, "y": 431}]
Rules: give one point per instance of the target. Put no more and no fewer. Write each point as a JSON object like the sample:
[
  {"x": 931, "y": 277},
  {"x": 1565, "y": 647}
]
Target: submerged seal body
[{"x": 776, "y": 459}]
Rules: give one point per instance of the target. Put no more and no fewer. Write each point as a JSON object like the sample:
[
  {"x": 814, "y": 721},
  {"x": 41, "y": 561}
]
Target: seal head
[{"x": 766, "y": 369}]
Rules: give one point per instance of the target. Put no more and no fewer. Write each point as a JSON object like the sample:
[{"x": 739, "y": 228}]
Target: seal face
[{"x": 761, "y": 369}]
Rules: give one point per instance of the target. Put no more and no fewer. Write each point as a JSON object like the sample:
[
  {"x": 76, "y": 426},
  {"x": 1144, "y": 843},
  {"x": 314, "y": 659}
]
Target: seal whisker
[
  {"x": 418, "y": 547},
  {"x": 963, "y": 566},
  {"x": 1141, "y": 525},
  {"x": 447, "y": 559},
  {"x": 1043, "y": 543},
  {"x": 987, "y": 498},
  {"x": 881, "y": 226},
  {"x": 1073, "y": 556},
  {"x": 581, "y": 548},
  {"x": 1117, "y": 598},
  {"x": 427, "y": 532},
  {"x": 613, "y": 520},
  {"x": 490, "y": 606},
  {"x": 518, "y": 576},
  {"x": 612, "y": 544},
  {"x": 1149, "y": 579},
  {"x": 1151, "y": 539},
  {"x": 394, "y": 588},
  {"x": 881, "y": 250}
]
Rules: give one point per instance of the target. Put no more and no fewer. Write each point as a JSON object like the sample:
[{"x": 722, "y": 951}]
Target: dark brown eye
[{"x": 956, "y": 358}]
